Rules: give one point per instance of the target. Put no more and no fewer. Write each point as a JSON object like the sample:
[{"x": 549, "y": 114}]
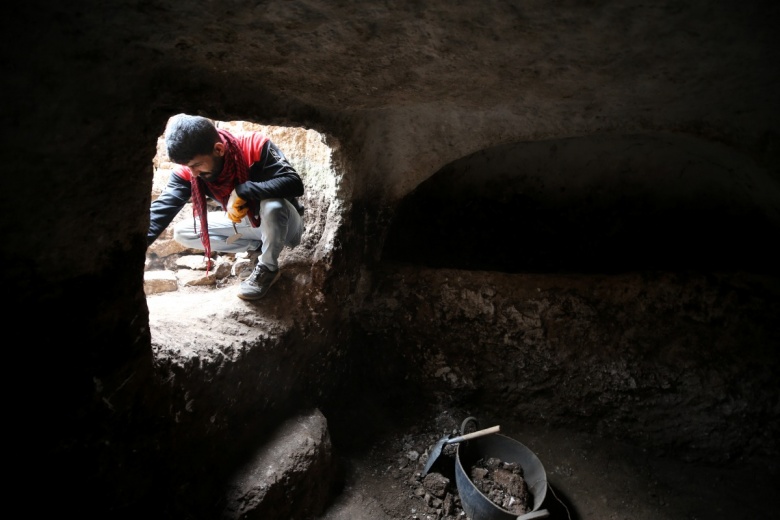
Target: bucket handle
[{"x": 465, "y": 423}]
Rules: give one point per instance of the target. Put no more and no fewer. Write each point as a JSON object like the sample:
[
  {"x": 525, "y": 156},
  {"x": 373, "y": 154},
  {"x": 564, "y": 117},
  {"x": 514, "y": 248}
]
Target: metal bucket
[{"x": 474, "y": 502}]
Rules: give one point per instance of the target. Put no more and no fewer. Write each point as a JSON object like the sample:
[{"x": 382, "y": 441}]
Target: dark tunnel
[{"x": 576, "y": 205}]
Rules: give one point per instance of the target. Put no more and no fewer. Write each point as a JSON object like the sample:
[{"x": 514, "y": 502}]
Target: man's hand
[{"x": 237, "y": 208}]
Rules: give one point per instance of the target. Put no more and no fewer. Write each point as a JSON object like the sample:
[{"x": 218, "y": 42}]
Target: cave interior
[{"x": 560, "y": 214}]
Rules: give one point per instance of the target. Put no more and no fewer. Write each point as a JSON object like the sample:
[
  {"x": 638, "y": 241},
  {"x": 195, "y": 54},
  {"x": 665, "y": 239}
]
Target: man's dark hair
[{"x": 187, "y": 136}]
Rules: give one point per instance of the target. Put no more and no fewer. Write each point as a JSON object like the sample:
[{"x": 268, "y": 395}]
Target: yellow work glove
[{"x": 237, "y": 208}]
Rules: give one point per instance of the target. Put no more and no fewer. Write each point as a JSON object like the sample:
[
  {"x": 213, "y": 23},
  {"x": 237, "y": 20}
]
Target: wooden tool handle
[{"x": 478, "y": 433}]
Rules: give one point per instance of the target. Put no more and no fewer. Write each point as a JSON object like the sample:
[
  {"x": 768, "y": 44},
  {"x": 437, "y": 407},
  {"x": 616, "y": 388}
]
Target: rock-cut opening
[
  {"x": 310, "y": 154},
  {"x": 592, "y": 204}
]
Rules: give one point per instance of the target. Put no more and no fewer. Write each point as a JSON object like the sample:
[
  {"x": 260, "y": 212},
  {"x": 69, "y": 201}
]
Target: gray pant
[{"x": 280, "y": 226}]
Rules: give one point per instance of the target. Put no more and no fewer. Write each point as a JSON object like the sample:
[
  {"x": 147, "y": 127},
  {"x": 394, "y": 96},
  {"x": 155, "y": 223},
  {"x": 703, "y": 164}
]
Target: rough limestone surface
[
  {"x": 289, "y": 476},
  {"x": 558, "y": 216}
]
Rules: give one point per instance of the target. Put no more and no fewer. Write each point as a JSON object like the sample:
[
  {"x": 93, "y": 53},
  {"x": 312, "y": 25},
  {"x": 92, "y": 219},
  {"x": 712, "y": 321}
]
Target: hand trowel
[{"x": 233, "y": 238}]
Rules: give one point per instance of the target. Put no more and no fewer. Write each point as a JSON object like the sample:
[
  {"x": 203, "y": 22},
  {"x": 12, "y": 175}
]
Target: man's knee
[
  {"x": 274, "y": 211},
  {"x": 271, "y": 207}
]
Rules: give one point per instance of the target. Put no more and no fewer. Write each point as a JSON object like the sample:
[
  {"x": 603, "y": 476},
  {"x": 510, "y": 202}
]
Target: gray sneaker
[{"x": 258, "y": 283}]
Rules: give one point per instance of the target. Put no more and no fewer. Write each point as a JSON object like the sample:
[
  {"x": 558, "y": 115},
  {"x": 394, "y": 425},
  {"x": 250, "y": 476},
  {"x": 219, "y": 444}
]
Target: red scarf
[{"x": 234, "y": 171}]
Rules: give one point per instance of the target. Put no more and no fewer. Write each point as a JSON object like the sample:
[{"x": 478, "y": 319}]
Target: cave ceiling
[{"x": 604, "y": 61}]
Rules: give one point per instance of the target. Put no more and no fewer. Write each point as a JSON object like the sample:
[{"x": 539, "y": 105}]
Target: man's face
[{"x": 209, "y": 166}]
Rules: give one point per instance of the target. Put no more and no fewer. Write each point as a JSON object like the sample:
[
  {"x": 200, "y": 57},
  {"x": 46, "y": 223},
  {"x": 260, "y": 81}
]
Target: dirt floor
[
  {"x": 381, "y": 453},
  {"x": 589, "y": 476}
]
